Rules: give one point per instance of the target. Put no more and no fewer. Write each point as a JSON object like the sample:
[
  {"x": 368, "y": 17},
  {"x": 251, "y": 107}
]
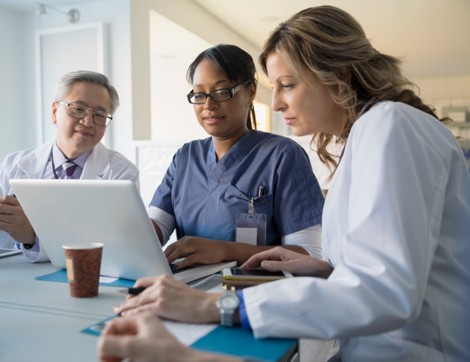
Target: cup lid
[{"x": 81, "y": 246}]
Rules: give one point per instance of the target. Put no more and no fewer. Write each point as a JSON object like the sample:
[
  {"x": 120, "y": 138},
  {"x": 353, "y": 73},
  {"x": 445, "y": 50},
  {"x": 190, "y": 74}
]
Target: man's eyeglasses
[
  {"x": 79, "y": 111},
  {"x": 219, "y": 95}
]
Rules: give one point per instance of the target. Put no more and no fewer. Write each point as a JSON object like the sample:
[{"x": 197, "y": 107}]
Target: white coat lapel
[
  {"x": 33, "y": 167},
  {"x": 97, "y": 163}
]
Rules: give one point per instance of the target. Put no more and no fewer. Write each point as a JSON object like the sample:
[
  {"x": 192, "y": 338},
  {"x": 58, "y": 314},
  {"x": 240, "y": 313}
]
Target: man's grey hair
[{"x": 69, "y": 79}]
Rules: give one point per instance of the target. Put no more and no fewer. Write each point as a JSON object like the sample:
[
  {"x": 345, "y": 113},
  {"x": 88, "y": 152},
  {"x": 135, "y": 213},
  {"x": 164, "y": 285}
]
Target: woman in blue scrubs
[{"x": 239, "y": 184}]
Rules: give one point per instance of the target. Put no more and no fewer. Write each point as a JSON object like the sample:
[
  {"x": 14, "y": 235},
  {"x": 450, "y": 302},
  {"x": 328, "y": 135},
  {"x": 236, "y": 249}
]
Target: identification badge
[{"x": 251, "y": 228}]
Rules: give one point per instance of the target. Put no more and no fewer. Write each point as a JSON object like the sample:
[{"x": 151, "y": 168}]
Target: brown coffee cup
[{"x": 83, "y": 262}]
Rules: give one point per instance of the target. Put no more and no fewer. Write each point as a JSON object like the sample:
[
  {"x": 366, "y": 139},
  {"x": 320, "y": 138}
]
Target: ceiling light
[{"x": 73, "y": 15}]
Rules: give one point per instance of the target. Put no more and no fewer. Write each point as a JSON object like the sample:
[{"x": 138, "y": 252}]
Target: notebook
[{"x": 106, "y": 211}]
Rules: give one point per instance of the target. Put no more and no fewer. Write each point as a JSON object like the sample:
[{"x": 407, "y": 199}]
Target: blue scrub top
[{"x": 204, "y": 195}]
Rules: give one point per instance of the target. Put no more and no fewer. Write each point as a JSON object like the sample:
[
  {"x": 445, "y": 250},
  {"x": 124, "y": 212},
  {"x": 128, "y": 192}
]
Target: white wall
[
  {"x": 443, "y": 92},
  {"x": 172, "y": 116},
  {"x": 18, "y": 35},
  {"x": 129, "y": 67},
  {"x": 15, "y": 107},
  {"x": 170, "y": 120}
]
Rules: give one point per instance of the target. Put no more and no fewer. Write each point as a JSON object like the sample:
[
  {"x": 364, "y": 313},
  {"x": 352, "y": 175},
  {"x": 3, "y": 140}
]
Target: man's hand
[{"x": 13, "y": 220}]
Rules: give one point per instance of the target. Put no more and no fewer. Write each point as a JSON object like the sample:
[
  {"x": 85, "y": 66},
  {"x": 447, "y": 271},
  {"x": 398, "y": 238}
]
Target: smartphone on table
[{"x": 246, "y": 277}]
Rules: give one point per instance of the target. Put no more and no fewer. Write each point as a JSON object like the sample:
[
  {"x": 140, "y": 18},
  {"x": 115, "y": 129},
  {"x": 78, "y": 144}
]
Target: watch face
[{"x": 229, "y": 301}]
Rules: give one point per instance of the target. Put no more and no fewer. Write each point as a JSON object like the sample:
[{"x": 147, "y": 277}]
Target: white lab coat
[
  {"x": 102, "y": 163},
  {"x": 396, "y": 228}
]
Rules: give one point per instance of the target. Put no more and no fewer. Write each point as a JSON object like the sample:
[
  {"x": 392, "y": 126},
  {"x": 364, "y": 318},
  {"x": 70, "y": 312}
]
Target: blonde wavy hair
[{"x": 330, "y": 44}]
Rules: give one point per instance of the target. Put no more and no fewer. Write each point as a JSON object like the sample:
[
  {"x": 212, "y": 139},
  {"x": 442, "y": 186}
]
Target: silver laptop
[
  {"x": 8, "y": 252},
  {"x": 106, "y": 211}
]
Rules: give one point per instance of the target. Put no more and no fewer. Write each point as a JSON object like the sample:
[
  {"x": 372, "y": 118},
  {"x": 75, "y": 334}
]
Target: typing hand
[
  {"x": 197, "y": 250},
  {"x": 13, "y": 220},
  {"x": 279, "y": 258},
  {"x": 170, "y": 298}
]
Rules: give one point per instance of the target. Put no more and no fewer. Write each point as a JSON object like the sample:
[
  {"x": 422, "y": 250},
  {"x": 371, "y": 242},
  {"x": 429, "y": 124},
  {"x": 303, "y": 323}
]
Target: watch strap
[
  {"x": 226, "y": 318},
  {"x": 227, "y": 314}
]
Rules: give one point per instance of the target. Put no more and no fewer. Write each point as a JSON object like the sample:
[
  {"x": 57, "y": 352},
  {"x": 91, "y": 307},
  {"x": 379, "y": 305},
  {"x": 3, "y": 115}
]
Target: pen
[
  {"x": 260, "y": 190},
  {"x": 136, "y": 290}
]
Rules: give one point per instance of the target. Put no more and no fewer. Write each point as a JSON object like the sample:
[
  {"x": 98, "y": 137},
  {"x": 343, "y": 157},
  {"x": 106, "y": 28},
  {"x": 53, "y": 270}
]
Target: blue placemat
[
  {"x": 239, "y": 341},
  {"x": 60, "y": 276},
  {"x": 96, "y": 328},
  {"x": 236, "y": 341}
]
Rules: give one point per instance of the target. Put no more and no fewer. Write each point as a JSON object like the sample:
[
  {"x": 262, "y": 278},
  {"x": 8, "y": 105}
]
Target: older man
[{"x": 82, "y": 109}]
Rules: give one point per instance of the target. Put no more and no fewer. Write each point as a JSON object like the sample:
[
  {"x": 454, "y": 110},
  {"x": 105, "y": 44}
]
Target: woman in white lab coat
[
  {"x": 396, "y": 227},
  {"x": 81, "y": 110}
]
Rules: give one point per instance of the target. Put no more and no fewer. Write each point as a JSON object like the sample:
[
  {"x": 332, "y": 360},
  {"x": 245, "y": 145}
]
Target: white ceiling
[{"x": 431, "y": 36}]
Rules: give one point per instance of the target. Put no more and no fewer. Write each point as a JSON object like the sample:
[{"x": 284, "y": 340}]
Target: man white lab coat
[{"x": 102, "y": 163}]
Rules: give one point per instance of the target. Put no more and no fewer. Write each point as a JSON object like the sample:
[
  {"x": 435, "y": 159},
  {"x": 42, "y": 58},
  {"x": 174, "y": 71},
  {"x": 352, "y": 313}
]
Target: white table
[{"x": 40, "y": 321}]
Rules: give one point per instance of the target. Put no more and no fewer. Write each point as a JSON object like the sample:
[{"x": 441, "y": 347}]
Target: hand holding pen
[
  {"x": 170, "y": 298},
  {"x": 135, "y": 290}
]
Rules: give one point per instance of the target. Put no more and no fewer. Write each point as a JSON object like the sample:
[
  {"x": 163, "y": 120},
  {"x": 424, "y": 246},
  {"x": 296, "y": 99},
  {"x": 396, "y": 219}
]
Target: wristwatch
[{"x": 227, "y": 304}]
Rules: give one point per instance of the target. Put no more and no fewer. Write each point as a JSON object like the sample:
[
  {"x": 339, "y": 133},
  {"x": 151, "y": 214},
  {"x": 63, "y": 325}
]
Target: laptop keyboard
[
  {"x": 175, "y": 270},
  {"x": 211, "y": 283}
]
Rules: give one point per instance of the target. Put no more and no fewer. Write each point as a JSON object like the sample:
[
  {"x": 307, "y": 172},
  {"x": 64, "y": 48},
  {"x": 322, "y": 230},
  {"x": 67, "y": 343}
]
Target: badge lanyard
[{"x": 251, "y": 226}]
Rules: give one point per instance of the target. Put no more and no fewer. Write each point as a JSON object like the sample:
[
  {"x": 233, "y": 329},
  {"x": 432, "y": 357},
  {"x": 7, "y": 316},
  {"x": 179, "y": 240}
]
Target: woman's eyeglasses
[{"x": 219, "y": 95}]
